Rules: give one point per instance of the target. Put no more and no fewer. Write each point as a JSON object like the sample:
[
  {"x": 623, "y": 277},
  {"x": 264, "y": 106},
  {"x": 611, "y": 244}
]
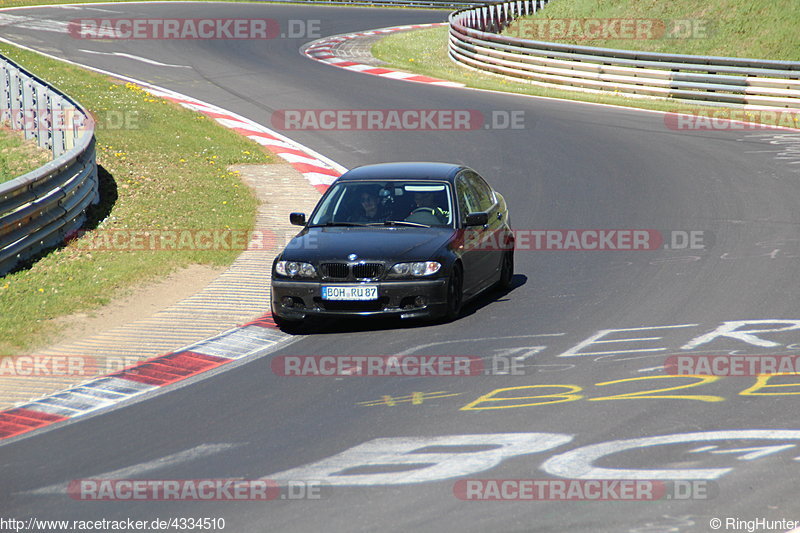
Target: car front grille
[
  {"x": 335, "y": 270},
  {"x": 345, "y": 271},
  {"x": 367, "y": 270}
]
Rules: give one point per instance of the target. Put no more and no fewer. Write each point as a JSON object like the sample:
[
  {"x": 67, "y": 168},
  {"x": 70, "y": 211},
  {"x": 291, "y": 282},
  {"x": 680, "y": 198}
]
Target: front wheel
[
  {"x": 506, "y": 271},
  {"x": 455, "y": 293}
]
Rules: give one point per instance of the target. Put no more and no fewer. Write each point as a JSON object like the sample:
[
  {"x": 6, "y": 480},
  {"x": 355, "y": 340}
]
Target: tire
[
  {"x": 455, "y": 294},
  {"x": 506, "y": 271}
]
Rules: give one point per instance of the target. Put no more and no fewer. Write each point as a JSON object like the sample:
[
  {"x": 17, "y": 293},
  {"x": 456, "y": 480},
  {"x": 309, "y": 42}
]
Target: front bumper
[{"x": 395, "y": 298}]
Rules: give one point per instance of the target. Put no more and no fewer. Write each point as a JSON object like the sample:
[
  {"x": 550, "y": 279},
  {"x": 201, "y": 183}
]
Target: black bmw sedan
[{"x": 412, "y": 240}]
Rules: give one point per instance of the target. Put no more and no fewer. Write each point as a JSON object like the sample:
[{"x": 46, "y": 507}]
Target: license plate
[{"x": 350, "y": 292}]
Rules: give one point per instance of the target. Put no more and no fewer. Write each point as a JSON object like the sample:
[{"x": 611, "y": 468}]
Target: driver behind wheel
[{"x": 426, "y": 201}]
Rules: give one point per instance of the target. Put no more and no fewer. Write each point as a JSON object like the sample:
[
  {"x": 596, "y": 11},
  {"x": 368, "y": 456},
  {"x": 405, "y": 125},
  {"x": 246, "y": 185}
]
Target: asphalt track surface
[{"x": 572, "y": 166}]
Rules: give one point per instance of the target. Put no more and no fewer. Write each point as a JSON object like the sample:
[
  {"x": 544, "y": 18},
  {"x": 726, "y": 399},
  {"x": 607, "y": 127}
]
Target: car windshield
[{"x": 397, "y": 202}]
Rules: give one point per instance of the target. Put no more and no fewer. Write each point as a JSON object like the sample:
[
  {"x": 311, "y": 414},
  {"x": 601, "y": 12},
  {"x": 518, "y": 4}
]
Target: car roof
[{"x": 415, "y": 171}]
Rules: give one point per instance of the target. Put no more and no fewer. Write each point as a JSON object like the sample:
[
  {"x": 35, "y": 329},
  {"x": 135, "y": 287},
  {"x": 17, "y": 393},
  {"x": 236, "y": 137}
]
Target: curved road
[{"x": 571, "y": 166}]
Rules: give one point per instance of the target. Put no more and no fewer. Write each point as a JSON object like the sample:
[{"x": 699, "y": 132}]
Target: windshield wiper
[
  {"x": 332, "y": 224},
  {"x": 405, "y": 223}
]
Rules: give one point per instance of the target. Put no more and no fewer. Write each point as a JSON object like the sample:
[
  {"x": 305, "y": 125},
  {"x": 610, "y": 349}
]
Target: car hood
[{"x": 391, "y": 243}]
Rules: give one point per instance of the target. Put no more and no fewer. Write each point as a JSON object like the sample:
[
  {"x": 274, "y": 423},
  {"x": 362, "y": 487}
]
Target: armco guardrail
[
  {"x": 475, "y": 42},
  {"x": 39, "y": 209}
]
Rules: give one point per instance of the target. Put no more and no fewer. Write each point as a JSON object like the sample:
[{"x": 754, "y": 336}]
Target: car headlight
[
  {"x": 295, "y": 269},
  {"x": 416, "y": 269}
]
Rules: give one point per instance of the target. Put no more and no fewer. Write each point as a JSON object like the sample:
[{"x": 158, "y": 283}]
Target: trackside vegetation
[
  {"x": 18, "y": 156},
  {"x": 764, "y": 29},
  {"x": 161, "y": 167}
]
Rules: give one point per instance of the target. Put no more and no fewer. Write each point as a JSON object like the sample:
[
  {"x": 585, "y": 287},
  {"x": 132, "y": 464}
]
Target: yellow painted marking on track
[
  {"x": 568, "y": 396},
  {"x": 647, "y": 394},
  {"x": 762, "y": 382},
  {"x": 492, "y": 401},
  {"x": 415, "y": 398}
]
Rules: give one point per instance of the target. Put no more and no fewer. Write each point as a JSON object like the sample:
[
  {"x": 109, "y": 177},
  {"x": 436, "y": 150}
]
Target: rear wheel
[{"x": 455, "y": 293}]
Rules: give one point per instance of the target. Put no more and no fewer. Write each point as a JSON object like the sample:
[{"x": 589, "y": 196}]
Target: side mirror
[
  {"x": 297, "y": 219},
  {"x": 480, "y": 218}
]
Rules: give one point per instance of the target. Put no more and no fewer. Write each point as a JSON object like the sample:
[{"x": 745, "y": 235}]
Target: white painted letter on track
[
  {"x": 578, "y": 463},
  {"x": 596, "y": 339},
  {"x": 731, "y": 330},
  {"x": 404, "y": 460}
]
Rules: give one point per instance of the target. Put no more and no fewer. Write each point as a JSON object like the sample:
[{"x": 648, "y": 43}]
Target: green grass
[
  {"x": 18, "y": 156},
  {"x": 167, "y": 168},
  {"x": 763, "y": 29}
]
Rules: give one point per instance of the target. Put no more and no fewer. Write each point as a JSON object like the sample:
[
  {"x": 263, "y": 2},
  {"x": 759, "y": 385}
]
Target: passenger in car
[{"x": 369, "y": 207}]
